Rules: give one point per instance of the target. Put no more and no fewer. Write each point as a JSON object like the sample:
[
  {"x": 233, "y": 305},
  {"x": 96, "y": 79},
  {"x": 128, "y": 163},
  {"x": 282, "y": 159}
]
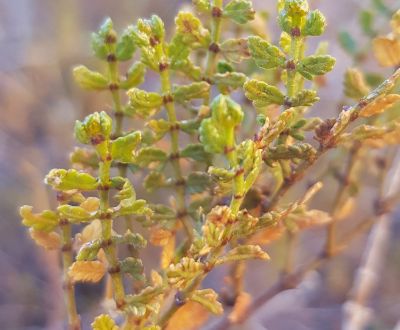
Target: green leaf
[
  {"x": 192, "y": 31},
  {"x": 315, "y": 66},
  {"x": 263, "y": 94},
  {"x": 61, "y": 179},
  {"x": 229, "y": 80},
  {"x": 133, "y": 267},
  {"x": 366, "y": 21},
  {"x": 265, "y": 55},
  {"x": 235, "y": 50},
  {"x": 347, "y": 42},
  {"x": 198, "y": 182},
  {"x": 203, "y": 203},
  {"x": 150, "y": 58},
  {"x": 149, "y": 155},
  {"x": 298, "y": 150},
  {"x": 153, "y": 181},
  {"x": 142, "y": 99},
  {"x": 123, "y": 147},
  {"x": 202, "y": 5},
  {"x": 100, "y": 38},
  {"x": 74, "y": 214},
  {"x": 239, "y": 11},
  {"x": 254, "y": 170},
  {"x": 196, "y": 152},
  {"x": 134, "y": 76},
  {"x": 94, "y": 129},
  {"x": 315, "y": 24},
  {"x": 210, "y": 137},
  {"x": 127, "y": 191},
  {"x": 160, "y": 127},
  {"x": 128, "y": 207},
  {"x": 380, "y": 5},
  {"x": 125, "y": 47},
  {"x": 128, "y": 203},
  {"x": 224, "y": 67},
  {"x": 243, "y": 252},
  {"x": 90, "y": 80},
  {"x": 45, "y": 221},
  {"x": 146, "y": 30},
  {"x": 178, "y": 52},
  {"x": 217, "y": 131},
  {"x": 196, "y": 90},
  {"x": 133, "y": 239},
  {"x": 225, "y": 112},
  {"x": 221, "y": 174},
  {"x": 89, "y": 251},
  {"x": 355, "y": 85},
  {"x": 208, "y": 298},
  {"x": 305, "y": 98},
  {"x": 84, "y": 158}
]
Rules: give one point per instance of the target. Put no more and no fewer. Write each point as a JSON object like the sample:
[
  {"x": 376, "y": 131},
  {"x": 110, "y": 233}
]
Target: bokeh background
[{"x": 40, "y": 42}]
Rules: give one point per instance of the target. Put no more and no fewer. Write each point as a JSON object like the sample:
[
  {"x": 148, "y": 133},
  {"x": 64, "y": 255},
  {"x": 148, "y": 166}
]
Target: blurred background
[{"x": 40, "y": 42}]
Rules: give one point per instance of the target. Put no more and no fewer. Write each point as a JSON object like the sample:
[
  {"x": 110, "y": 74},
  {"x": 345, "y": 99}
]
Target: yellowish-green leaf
[
  {"x": 305, "y": 98},
  {"x": 45, "y": 221},
  {"x": 209, "y": 299},
  {"x": 265, "y": 55},
  {"x": 196, "y": 90},
  {"x": 88, "y": 79},
  {"x": 149, "y": 155},
  {"x": 315, "y": 65},
  {"x": 355, "y": 85},
  {"x": 263, "y": 94},
  {"x": 94, "y": 129},
  {"x": 239, "y": 11},
  {"x": 191, "y": 29},
  {"x": 123, "y": 147},
  {"x": 315, "y": 24},
  {"x": 181, "y": 274},
  {"x": 134, "y": 76},
  {"x": 104, "y": 322},
  {"x": 235, "y": 50},
  {"x": 142, "y": 99},
  {"x": 243, "y": 252}
]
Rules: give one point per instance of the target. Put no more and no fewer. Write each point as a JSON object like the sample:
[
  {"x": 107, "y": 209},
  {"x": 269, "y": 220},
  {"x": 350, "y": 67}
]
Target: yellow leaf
[
  {"x": 391, "y": 137},
  {"x": 346, "y": 209},
  {"x": 267, "y": 235},
  {"x": 156, "y": 278},
  {"x": 91, "y": 232},
  {"x": 190, "y": 316},
  {"x": 380, "y": 104},
  {"x": 91, "y": 204},
  {"x": 49, "y": 241},
  {"x": 387, "y": 51},
  {"x": 159, "y": 236},
  {"x": 313, "y": 218},
  {"x": 87, "y": 271},
  {"x": 168, "y": 252},
  {"x": 395, "y": 23},
  {"x": 104, "y": 322},
  {"x": 241, "y": 307}
]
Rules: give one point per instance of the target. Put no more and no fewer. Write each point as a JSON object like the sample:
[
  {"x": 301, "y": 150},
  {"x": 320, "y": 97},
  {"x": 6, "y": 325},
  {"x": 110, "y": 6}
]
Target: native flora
[{"x": 215, "y": 151}]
